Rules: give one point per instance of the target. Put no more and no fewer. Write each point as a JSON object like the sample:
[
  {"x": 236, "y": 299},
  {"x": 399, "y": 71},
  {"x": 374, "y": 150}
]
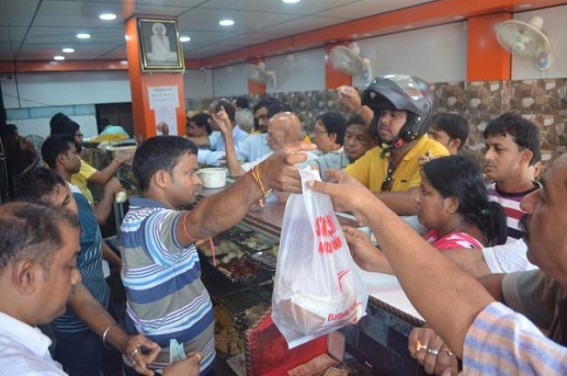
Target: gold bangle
[{"x": 256, "y": 175}]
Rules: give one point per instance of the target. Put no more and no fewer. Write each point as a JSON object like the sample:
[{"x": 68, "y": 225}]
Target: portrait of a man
[{"x": 159, "y": 41}]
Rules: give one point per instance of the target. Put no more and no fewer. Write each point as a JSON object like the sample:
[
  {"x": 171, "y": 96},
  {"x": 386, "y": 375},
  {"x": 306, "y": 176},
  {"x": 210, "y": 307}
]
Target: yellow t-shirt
[
  {"x": 371, "y": 170},
  {"x": 80, "y": 180}
]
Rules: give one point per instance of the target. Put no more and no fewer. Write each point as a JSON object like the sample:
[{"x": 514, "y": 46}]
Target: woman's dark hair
[
  {"x": 334, "y": 123},
  {"x": 460, "y": 177}
]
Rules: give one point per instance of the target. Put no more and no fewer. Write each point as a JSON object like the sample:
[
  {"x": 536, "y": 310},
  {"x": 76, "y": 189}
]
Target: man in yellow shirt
[
  {"x": 61, "y": 124},
  {"x": 400, "y": 107}
]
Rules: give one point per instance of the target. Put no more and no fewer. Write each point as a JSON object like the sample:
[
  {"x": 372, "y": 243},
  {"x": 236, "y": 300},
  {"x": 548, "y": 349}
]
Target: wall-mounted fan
[
  {"x": 348, "y": 60},
  {"x": 258, "y": 73},
  {"x": 526, "y": 39}
]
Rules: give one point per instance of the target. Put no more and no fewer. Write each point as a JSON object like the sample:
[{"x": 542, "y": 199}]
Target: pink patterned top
[{"x": 452, "y": 241}]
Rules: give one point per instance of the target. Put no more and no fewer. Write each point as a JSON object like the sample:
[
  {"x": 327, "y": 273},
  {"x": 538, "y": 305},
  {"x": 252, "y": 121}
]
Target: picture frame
[{"x": 160, "y": 48}]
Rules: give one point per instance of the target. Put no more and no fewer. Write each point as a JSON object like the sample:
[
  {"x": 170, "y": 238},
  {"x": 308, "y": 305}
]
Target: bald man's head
[{"x": 284, "y": 129}]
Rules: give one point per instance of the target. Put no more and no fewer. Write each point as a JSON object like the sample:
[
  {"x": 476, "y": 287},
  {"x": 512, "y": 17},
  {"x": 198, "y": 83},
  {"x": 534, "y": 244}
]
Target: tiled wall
[{"x": 542, "y": 101}]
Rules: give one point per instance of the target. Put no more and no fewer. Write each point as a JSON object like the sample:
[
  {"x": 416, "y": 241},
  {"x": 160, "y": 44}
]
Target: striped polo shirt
[
  {"x": 510, "y": 202},
  {"x": 166, "y": 297},
  {"x": 503, "y": 342}
]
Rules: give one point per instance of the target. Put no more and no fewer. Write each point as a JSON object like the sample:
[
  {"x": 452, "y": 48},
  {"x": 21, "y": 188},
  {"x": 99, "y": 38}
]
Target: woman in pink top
[{"x": 453, "y": 204}]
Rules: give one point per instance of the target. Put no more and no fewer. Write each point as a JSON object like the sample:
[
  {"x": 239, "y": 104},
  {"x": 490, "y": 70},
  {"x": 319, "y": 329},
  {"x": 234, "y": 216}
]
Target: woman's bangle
[
  {"x": 105, "y": 334},
  {"x": 359, "y": 110}
]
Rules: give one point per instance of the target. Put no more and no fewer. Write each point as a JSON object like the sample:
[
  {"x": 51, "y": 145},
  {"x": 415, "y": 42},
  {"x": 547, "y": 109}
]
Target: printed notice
[{"x": 163, "y": 97}]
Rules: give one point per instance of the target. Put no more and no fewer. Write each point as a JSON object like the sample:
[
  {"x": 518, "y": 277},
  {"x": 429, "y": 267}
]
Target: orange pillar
[
  {"x": 334, "y": 78},
  {"x": 255, "y": 87},
  {"x": 141, "y": 83},
  {"x": 486, "y": 59}
]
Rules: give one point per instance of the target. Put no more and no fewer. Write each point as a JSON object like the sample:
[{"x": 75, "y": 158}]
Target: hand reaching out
[
  {"x": 279, "y": 171},
  {"x": 364, "y": 253}
]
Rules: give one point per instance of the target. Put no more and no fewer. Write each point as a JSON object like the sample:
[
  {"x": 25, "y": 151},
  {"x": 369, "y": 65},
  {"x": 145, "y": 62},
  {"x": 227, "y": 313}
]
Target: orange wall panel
[{"x": 486, "y": 59}]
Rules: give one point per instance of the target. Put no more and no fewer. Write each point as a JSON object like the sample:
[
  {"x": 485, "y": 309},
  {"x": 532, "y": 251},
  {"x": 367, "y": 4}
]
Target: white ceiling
[{"x": 32, "y": 30}]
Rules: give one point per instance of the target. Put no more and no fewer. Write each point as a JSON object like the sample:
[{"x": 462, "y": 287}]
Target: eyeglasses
[{"x": 79, "y": 135}]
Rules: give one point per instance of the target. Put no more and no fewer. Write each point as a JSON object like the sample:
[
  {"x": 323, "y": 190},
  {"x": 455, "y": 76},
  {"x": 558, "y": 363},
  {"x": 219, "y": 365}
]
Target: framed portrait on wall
[{"x": 160, "y": 49}]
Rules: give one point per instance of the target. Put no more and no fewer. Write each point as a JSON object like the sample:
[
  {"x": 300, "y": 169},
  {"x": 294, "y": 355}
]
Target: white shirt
[
  {"x": 24, "y": 350},
  {"x": 508, "y": 258}
]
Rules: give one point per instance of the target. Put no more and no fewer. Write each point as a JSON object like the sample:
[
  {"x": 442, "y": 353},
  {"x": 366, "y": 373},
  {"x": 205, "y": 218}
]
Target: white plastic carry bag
[{"x": 317, "y": 286}]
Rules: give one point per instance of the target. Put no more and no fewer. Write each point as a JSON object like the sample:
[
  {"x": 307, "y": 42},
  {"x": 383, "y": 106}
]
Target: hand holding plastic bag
[{"x": 317, "y": 286}]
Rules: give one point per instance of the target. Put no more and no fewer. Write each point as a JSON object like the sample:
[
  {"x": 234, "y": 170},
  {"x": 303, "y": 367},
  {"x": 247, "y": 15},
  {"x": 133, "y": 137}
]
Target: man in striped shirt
[
  {"x": 166, "y": 299},
  {"x": 487, "y": 335},
  {"x": 512, "y": 147}
]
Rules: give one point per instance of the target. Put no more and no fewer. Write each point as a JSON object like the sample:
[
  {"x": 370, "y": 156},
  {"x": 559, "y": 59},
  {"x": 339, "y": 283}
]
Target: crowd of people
[{"x": 389, "y": 157}]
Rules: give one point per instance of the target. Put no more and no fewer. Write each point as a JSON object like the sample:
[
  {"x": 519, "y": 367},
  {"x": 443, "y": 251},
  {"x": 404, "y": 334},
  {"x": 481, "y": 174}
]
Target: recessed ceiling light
[
  {"x": 226, "y": 22},
  {"x": 525, "y": 6},
  {"x": 291, "y": 1},
  {"x": 107, "y": 16},
  {"x": 124, "y": 62},
  {"x": 408, "y": 27},
  {"x": 68, "y": 50},
  {"x": 83, "y": 36},
  {"x": 58, "y": 58},
  {"x": 457, "y": 18},
  {"x": 184, "y": 39}
]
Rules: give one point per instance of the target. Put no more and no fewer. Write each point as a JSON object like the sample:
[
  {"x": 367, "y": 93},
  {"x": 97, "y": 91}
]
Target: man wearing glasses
[{"x": 399, "y": 107}]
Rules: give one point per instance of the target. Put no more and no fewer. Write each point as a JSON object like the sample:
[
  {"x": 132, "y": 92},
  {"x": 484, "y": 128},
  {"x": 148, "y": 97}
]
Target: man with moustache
[
  {"x": 489, "y": 337},
  {"x": 512, "y": 147},
  {"x": 166, "y": 298},
  {"x": 400, "y": 107}
]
